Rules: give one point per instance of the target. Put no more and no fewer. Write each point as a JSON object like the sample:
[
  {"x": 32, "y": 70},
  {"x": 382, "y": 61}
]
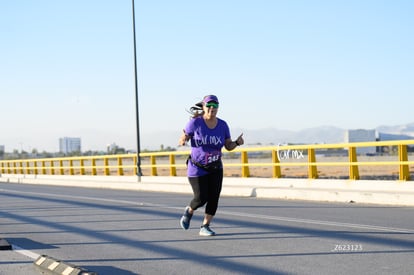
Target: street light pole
[{"x": 139, "y": 171}]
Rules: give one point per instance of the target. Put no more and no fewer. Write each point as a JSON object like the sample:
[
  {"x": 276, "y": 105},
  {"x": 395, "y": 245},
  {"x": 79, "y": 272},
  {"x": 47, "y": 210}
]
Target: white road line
[
  {"x": 25, "y": 252},
  {"x": 238, "y": 214},
  {"x": 320, "y": 222}
]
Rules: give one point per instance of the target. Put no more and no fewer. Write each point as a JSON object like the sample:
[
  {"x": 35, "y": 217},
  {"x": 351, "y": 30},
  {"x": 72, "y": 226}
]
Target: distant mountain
[
  {"x": 405, "y": 129},
  {"x": 385, "y": 137},
  {"x": 267, "y": 136},
  {"x": 324, "y": 134}
]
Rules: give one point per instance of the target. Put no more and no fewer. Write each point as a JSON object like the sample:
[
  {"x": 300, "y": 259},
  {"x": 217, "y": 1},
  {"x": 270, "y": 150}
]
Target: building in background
[
  {"x": 69, "y": 145},
  {"x": 2, "y": 148},
  {"x": 362, "y": 135}
]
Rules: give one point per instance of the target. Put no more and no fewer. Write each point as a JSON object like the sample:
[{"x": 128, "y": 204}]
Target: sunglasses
[{"x": 212, "y": 104}]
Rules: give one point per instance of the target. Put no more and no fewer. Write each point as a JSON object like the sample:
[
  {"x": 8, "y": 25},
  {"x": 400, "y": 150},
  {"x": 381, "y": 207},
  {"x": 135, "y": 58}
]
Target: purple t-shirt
[{"x": 206, "y": 143}]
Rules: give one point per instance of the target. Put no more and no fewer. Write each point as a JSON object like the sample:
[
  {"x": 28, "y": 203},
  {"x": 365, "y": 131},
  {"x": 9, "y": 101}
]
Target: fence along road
[
  {"x": 289, "y": 172},
  {"x": 282, "y": 159},
  {"x": 128, "y": 232}
]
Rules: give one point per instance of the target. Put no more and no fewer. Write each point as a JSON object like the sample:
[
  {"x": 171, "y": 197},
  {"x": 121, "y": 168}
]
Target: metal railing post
[
  {"x": 153, "y": 167},
  {"x": 43, "y": 167},
  {"x": 106, "y": 169},
  {"x": 82, "y": 166},
  {"x": 21, "y": 167},
  {"x": 402, "y": 156},
  {"x": 312, "y": 169},
  {"x": 27, "y": 167},
  {"x": 353, "y": 167},
  {"x": 276, "y": 168},
  {"x": 94, "y": 172},
  {"x": 245, "y": 167},
  {"x": 52, "y": 167},
  {"x": 120, "y": 169},
  {"x": 134, "y": 160},
  {"x": 71, "y": 169},
  {"x": 35, "y": 167},
  {"x": 61, "y": 168},
  {"x": 173, "y": 169}
]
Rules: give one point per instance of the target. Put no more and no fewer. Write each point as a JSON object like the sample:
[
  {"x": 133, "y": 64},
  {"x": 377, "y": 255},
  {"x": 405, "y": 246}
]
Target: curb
[
  {"x": 327, "y": 190},
  {"x": 4, "y": 245},
  {"x": 54, "y": 266}
]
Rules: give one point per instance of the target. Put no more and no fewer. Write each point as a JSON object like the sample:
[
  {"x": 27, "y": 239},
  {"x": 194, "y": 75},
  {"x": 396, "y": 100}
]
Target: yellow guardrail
[{"x": 279, "y": 156}]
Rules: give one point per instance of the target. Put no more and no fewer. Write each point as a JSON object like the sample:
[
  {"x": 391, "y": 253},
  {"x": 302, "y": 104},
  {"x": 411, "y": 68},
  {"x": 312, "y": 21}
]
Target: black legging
[{"x": 207, "y": 189}]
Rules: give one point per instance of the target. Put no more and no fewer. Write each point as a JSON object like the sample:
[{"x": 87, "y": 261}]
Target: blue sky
[{"x": 67, "y": 67}]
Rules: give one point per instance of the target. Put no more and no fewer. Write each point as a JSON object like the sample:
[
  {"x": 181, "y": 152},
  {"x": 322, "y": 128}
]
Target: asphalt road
[{"x": 125, "y": 232}]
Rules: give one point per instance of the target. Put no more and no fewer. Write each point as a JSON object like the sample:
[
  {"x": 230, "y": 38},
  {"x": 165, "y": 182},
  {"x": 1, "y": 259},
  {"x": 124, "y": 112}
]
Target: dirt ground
[
  {"x": 366, "y": 172},
  {"x": 328, "y": 168},
  {"x": 326, "y": 172}
]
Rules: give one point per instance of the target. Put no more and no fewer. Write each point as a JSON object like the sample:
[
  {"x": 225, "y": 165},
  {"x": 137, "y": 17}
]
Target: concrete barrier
[
  {"x": 4, "y": 245},
  {"x": 54, "y": 266},
  {"x": 329, "y": 190}
]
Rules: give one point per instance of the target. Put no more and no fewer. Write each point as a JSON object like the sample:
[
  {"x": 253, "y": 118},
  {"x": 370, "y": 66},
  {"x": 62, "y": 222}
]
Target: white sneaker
[{"x": 205, "y": 230}]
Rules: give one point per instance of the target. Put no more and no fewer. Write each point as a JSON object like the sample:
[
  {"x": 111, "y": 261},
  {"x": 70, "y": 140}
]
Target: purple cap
[{"x": 210, "y": 98}]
